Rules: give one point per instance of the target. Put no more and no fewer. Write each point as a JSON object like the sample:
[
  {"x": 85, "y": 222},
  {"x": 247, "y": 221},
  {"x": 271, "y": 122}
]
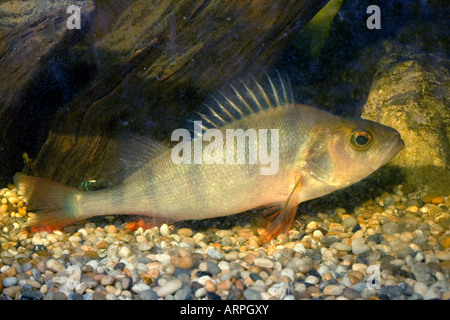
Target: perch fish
[{"x": 317, "y": 153}]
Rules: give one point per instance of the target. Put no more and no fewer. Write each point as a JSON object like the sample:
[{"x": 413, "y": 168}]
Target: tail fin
[{"x": 55, "y": 204}]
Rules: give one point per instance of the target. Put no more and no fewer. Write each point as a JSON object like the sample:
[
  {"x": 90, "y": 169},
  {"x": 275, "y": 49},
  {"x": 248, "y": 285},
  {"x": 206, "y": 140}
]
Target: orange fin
[
  {"x": 145, "y": 223},
  {"x": 282, "y": 218}
]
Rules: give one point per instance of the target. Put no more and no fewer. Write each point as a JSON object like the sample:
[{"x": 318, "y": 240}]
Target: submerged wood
[{"x": 135, "y": 66}]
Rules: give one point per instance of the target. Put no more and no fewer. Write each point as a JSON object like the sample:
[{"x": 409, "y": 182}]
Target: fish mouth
[
  {"x": 393, "y": 151},
  {"x": 399, "y": 146},
  {"x": 389, "y": 153}
]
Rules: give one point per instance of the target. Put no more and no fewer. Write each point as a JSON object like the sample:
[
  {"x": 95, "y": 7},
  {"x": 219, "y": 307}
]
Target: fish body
[{"x": 314, "y": 153}]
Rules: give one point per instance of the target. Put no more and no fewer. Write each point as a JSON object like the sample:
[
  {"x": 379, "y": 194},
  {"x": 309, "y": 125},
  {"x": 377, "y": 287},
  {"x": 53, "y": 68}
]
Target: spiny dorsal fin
[{"x": 244, "y": 99}]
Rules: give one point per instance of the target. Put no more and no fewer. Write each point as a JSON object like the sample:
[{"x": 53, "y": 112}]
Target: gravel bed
[{"x": 395, "y": 246}]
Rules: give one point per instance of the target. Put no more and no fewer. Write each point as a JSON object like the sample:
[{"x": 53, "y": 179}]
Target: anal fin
[{"x": 282, "y": 218}]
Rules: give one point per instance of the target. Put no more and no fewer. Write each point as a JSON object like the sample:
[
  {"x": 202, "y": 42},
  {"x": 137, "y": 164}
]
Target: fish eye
[{"x": 360, "y": 139}]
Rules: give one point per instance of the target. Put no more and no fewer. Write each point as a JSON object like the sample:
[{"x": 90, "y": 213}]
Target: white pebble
[
  {"x": 201, "y": 292},
  {"x": 124, "y": 252},
  {"x": 311, "y": 280},
  {"x": 288, "y": 272},
  {"x": 299, "y": 248},
  {"x": 213, "y": 253},
  {"x": 432, "y": 293},
  {"x": 139, "y": 287},
  {"x": 223, "y": 265},
  {"x": 323, "y": 269},
  {"x": 162, "y": 258},
  {"x": 263, "y": 263},
  {"x": 420, "y": 288},
  {"x": 165, "y": 230},
  {"x": 170, "y": 288}
]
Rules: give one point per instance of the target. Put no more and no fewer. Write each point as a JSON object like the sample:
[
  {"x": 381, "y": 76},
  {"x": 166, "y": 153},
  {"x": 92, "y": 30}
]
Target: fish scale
[{"x": 317, "y": 153}]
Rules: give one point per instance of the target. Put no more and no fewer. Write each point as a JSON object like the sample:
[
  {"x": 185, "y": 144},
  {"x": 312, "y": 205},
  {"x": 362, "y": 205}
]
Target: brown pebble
[
  {"x": 224, "y": 285},
  {"x": 12, "y": 291},
  {"x": 98, "y": 296},
  {"x": 107, "y": 280},
  {"x": 429, "y": 198},
  {"x": 246, "y": 233},
  {"x": 254, "y": 269},
  {"x": 355, "y": 276},
  {"x": 351, "y": 294},
  {"x": 185, "y": 262},
  {"x": 11, "y": 272},
  {"x": 189, "y": 241},
  {"x": 187, "y": 232},
  {"x": 210, "y": 286},
  {"x": 102, "y": 245},
  {"x": 313, "y": 292},
  {"x": 240, "y": 285},
  {"x": 445, "y": 267},
  {"x": 446, "y": 242},
  {"x": 249, "y": 258},
  {"x": 437, "y": 200},
  {"x": 90, "y": 254},
  {"x": 111, "y": 229},
  {"x": 284, "y": 279}
]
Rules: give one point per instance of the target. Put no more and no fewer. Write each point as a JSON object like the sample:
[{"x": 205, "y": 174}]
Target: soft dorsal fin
[
  {"x": 129, "y": 152},
  {"x": 244, "y": 99}
]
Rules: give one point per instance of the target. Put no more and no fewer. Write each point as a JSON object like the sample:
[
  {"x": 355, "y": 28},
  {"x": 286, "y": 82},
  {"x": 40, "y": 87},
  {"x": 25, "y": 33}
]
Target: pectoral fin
[{"x": 282, "y": 218}]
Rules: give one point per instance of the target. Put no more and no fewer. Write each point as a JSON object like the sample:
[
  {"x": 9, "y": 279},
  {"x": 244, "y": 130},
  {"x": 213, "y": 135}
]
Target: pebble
[
  {"x": 351, "y": 294},
  {"x": 263, "y": 263},
  {"x": 332, "y": 290},
  {"x": 359, "y": 246},
  {"x": 312, "y": 280},
  {"x": 214, "y": 254},
  {"x": 349, "y": 223},
  {"x": 148, "y": 295},
  {"x": 432, "y": 293},
  {"x": 10, "y": 282},
  {"x": 251, "y": 294},
  {"x": 326, "y": 255},
  {"x": 390, "y": 228},
  {"x": 170, "y": 288}
]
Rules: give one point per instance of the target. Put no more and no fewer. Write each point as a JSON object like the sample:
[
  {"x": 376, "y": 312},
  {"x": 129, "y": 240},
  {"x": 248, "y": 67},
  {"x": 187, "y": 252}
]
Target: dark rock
[
  {"x": 213, "y": 296},
  {"x": 203, "y": 273},
  {"x": 148, "y": 295},
  {"x": 234, "y": 294},
  {"x": 28, "y": 292},
  {"x": 392, "y": 291},
  {"x": 255, "y": 277},
  {"x": 75, "y": 296},
  {"x": 213, "y": 268},
  {"x": 119, "y": 266},
  {"x": 98, "y": 296},
  {"x": 351, "y": 294},
  {"x": 377, "y": 238}
]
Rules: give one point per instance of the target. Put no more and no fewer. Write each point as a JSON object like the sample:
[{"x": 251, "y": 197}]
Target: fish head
[{"x": 347, "y": 151}]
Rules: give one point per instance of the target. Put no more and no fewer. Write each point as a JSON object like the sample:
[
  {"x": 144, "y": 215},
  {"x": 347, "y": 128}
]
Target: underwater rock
[
  {"x": 398, "y": 76},
  {"x": 410, "y": 92}
]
